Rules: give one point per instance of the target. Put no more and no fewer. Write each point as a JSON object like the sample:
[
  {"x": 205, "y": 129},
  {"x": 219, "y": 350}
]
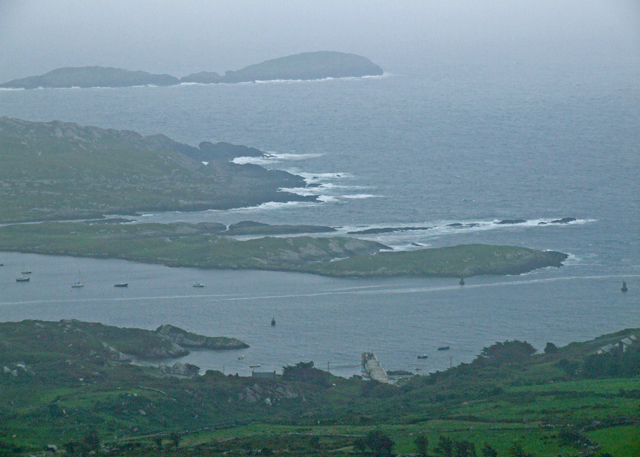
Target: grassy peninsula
[
  {"x": 58, "y": 170},
  {"x": 208, "y": 246},
  {"x": 307, "y": 65},
  {"x": 72, "y": 395}
]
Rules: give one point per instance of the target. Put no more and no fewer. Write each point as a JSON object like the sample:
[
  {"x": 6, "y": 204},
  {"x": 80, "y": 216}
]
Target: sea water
[{"x": 415, "y": 149}]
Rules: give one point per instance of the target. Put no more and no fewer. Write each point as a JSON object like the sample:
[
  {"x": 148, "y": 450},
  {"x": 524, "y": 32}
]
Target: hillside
[
  {"x": 510, "y": 400},
  {"x": 57, "y": 170}
]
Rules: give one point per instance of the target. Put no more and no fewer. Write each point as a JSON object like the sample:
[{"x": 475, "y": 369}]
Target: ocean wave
[
  {"x": 405, "y": 237},
  {"x": 319, "y": 178},
  {"x": 344, "y": 78},
  {"x": 272, "y": 157},
  {"x": 304, "y": 191},
  {"x": 12, "y": 88},
  {"x": 361, "y": 196}
]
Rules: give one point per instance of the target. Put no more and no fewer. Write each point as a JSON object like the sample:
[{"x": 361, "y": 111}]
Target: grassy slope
[
  {"x": 60, "y": 170},
  {"x": 196, "y": 246},
  {"x": 64, "y": 393}
]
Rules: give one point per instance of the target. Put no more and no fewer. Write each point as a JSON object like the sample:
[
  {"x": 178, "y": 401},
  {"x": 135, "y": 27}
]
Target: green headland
[
  {"x": 57, "y": 171},
  {"x": 211, "y": 246},
  {"x": 62, "y": 171}
]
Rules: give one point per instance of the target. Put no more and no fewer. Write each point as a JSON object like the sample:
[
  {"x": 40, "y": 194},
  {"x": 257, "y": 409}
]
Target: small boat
[
  {"x": 240, "y": 357},
  {"x": 423, "y": 356},
  {"x": 254, "y": 366},
  {"x": 624, "y": 286},
  {"x": 22, "y": 278},
  {"x": 273, "y": 321},
  {"x": 444, "y": 348},
  {"x": 26, "y": 272},
  {"x": 121, "y": 284},
  {"x": 78, "y": 284},
  {"x": 462, "y": 281},
  {"x": 199, "y": 285}
]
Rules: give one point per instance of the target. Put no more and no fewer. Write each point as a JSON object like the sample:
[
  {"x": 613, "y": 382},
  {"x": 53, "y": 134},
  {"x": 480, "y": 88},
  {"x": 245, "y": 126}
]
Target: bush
[{"x": 508, "y": 352}]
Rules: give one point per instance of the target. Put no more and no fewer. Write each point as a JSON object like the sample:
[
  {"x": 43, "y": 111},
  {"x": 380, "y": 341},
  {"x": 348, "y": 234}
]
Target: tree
[
  {"x": 380, "y": 443},
  {"x": 488, "y": 451},
  {"x": 91, "y": 441},
  {"x": 517, "y": 451},
  {"x": 360, "y": 444},
  {"x": 305, "y": 372},
  {"x": 175, "y": 439},
  {"x": 550, "y": 348},
  {"x": 422, "y": 445},
  {"x": 444, "y": 447},
  {"x": 464, "y": 448},
  {"x": 508, "y": 352}
]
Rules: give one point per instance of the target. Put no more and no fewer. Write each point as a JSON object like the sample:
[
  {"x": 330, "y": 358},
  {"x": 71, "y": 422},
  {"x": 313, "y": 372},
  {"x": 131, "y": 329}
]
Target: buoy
[
  {"x": 462, "y": 281},
  {"x": 273, "y": 321},
  {"x": 624, "y": 286}
]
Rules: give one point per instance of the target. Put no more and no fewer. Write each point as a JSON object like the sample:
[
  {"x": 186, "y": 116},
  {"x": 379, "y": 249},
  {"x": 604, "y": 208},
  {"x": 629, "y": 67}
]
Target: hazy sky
[{"x": 180, "y": 37}]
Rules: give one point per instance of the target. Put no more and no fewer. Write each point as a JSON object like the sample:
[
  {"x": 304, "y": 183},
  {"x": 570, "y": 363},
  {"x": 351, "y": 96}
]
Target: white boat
[
  {"x": 199, "y": 285},
  {"x": 254, "y": 366},
  {"x": 26, "y": 272},
  {"x": 22, "y": 278},
  {"x": 240, "y": 357}
]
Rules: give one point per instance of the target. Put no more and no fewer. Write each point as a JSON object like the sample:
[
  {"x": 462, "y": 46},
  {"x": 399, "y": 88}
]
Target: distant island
[
  {"x": 59, "y": 170},
  {"x": 304, "y": 66}
]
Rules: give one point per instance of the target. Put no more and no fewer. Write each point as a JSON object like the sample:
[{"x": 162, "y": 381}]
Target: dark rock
[
  {"x": 511, "y": 221},
  {"x": 181, "y": 369},
  {"x": 564, "y": 220},
  {"x": 192, "y": 340},
  {"x": 375, "y": 231}
]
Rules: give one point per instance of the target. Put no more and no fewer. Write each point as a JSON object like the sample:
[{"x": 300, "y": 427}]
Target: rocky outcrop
[
  {"x": 186, "y": 339},
  {"x": 180, "y": 369},
  {"x": 268, "y": 393}
]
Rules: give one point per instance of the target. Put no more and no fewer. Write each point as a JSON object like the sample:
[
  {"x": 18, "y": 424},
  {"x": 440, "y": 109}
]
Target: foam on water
[{"x": 271, "y": 158}]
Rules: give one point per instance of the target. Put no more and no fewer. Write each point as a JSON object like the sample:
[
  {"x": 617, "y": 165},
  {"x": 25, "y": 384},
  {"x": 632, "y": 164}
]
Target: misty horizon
[{"x": 181, "y": 39}]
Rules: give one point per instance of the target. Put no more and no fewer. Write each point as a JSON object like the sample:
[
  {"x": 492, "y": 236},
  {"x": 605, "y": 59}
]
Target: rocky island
[
  {"x": 213, "y": 246},
  {"x": 59, "y": 170},
  {"x": 304, "y": 66}
]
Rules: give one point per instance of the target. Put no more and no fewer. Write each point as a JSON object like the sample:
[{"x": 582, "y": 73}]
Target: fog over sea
[{"x": 423, "y": 147}]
